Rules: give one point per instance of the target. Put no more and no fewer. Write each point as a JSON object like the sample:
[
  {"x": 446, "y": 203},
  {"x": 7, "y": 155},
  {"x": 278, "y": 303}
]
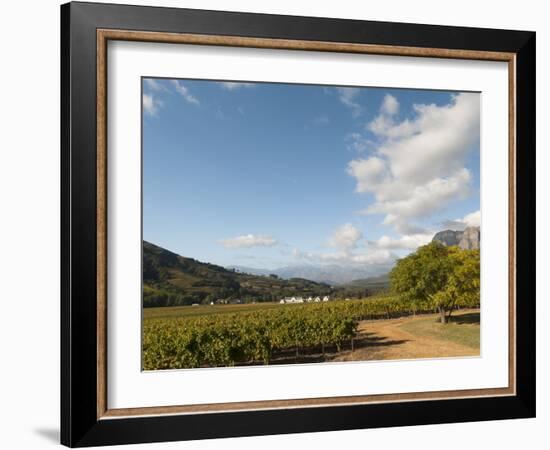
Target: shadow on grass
[
  {"x": 469, "y": 318},
  {"x": 373, "y": 340}
]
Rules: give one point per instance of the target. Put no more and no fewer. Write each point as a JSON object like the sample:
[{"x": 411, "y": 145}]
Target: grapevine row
[{"x": 233, "y": 338}]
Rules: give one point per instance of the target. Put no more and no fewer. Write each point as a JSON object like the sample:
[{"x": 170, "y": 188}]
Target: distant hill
[
  {"x": 468, "y": 239},
  {"x": 170, "y": 279},
  {"x": 373, "y": 284}
]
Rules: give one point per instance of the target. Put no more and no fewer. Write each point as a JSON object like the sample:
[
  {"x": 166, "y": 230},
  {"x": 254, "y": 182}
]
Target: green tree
[{"x": 445, "y": 277}]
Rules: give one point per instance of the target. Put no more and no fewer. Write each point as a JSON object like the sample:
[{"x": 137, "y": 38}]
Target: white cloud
[
  {"x": 384, "y": 123},
  {"x": 418, "y": 165},
  {"x": 232, "y": 86},
  {"x": 469, "y": 220},
  {"x": 424, "y": 199},
  {"x": 347, "y": 96},
  {"x": 384, "y": 126},
  {"x": 151, "y": 105},
  {"x": 373, "y": 257},
  {"x": 369, "y": 173},
  {"x": 345, "y": 240},
  {"x": 184, "y": 92},
  {"x": 404, "y": 227},
  {"x": 473, "y": 219},
  {"x": 249, "y": 240},
  {"x": 346, "y": 237},
  {"x": 436, "y": 142},
  {"x": 154, "y": 85},
  {"x": 358, "y": 142},
  {"x": 390, "y": 105},
  {"x": 406, "y": 242}
]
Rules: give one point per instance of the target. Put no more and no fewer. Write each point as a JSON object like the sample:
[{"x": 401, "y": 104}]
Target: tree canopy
[{"x": 443, "y": 277}]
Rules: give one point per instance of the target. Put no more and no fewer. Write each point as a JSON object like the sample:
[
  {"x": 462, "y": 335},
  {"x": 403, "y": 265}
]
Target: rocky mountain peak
[
  {"x": 470, "y": 238},
  {"x": 448, "y": 237},
  {"x": 467, "y": 239}
]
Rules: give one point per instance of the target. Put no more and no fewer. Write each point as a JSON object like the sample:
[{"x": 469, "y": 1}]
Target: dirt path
[{"x": 384, "y": 339}]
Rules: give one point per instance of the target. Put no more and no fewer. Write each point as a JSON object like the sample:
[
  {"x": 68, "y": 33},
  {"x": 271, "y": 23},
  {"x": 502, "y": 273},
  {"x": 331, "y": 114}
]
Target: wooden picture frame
[{"x": 86, "y": 418}]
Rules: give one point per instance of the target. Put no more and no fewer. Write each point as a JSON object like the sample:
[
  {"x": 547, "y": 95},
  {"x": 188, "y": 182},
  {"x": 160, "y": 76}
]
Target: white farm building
[{"x": 290, "y": 300}]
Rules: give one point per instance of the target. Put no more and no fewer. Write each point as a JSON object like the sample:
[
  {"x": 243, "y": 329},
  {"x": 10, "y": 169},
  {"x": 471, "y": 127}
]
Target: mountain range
[{"x": 330, "y": 274}]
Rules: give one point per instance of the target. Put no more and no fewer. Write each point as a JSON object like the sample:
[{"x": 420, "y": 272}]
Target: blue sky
[{"x": 271, "y": 175}]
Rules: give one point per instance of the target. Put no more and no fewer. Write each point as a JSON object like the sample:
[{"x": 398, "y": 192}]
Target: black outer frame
[{"x": 79, "y": 424}]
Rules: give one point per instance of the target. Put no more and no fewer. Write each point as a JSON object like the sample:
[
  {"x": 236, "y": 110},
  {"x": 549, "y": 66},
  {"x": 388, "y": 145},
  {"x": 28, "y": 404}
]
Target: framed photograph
[{"x": 276, "y": 224}]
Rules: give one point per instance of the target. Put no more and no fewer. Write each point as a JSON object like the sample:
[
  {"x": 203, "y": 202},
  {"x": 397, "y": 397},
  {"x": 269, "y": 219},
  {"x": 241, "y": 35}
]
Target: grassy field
[{"x": 463, "y": 329}]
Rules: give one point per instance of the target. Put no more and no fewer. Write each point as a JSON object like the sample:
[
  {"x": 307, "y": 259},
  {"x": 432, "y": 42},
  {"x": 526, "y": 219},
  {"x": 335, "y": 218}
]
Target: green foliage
[
  {"x": 372, "y": 285},
  {"x": 444, "y": 277}
]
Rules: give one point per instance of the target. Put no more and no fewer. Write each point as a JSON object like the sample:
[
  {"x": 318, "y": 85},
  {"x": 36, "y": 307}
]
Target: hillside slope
[
  {"x": 170, "y": 280},
  {"x": 372, "y": 284}
]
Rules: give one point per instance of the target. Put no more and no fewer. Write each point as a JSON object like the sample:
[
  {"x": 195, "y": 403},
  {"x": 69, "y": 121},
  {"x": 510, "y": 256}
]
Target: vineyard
[{"x": 254, "y": 337}]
